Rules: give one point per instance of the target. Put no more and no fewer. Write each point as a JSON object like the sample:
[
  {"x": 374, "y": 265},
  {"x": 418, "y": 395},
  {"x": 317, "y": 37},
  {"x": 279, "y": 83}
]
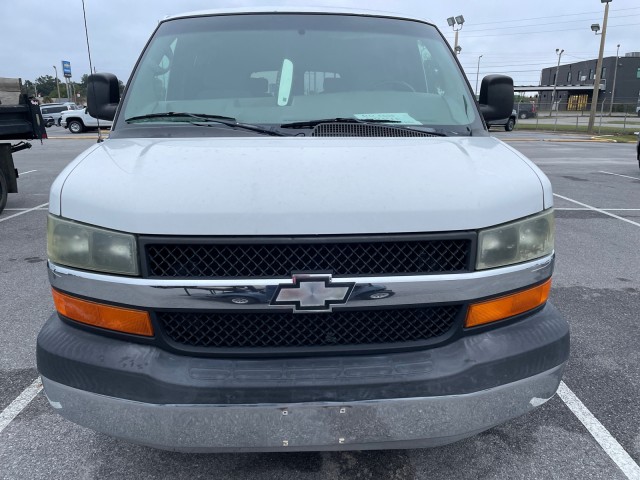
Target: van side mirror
[
  {"x": 496, "y": 97},
  {"x": 103, "y": 95}
]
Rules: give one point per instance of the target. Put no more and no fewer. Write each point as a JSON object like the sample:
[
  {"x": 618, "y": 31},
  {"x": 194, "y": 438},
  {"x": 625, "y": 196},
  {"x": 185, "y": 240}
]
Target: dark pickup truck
[{"x": 21, "y": 122}]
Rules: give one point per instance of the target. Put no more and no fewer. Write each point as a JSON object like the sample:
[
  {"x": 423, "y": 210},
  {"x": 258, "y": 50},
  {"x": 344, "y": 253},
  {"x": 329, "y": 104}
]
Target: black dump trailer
[{"x": 18, "y": 123}]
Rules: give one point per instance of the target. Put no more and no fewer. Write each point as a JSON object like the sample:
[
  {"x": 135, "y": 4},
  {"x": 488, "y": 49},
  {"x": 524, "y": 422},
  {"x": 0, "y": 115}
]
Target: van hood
[{"x": 299, "y": 186}]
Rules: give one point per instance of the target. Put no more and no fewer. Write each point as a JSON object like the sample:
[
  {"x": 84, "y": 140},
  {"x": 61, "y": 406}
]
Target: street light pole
[
  {"x": 454, "y": 22},
  {"x": 555, "y": 80},
  {"x": 57, "y": 83},
  {"x": 615, "y": 74},
  {"x": 596, "y": 85},
  {"x": 478, "y": 73}
]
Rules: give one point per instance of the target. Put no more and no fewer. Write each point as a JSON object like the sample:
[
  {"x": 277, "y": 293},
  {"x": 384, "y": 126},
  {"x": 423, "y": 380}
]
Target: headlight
[
  {"x": 516, "y": 242},
  {"x": 91, "y": 248}
]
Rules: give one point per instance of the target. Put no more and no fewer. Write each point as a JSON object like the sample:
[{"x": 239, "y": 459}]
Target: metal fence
[{"x": 610, "y": 119}]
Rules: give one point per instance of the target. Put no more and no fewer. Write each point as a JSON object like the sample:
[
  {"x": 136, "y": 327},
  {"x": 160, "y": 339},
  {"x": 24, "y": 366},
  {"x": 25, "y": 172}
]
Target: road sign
[{"x": 66, "y": 68}]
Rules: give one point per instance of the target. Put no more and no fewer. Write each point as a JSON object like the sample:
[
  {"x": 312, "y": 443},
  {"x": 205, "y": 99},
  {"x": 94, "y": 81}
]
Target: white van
[
  {"x": 299, "y": 235},
  {"x": 54, "y": 110}
]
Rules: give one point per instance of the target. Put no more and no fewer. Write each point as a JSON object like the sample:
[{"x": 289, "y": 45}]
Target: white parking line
[
  {"x": 23, "y": 212},
  {"x": 609, "y": 444},
  {"x": 619, "y": 175},
  {"x": 604, "y": 212},
  {"x": 19, "y": 404},
  {"x": 581, "y": 209},
  {"x": 45, "y": 208},
  {"x": 29, "y": 171}
]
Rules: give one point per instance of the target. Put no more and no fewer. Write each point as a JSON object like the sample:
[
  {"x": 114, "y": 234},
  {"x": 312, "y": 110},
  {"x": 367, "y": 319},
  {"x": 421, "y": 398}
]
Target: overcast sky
[{"x": 515, "y": 38}]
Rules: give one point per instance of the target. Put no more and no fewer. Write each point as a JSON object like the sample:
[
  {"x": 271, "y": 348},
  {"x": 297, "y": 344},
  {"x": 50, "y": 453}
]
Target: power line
[
  {"x": 503, "y": 21},
  {"x": 544, "y": 31},
  {"x": 472, "y": 30},
  {"x": 488, "y": 64},
  {"x": 508, "y": 69}
]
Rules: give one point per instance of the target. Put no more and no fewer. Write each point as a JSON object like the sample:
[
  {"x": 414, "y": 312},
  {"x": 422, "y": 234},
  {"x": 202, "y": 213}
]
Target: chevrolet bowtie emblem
[{"x": 312, "y": 293}]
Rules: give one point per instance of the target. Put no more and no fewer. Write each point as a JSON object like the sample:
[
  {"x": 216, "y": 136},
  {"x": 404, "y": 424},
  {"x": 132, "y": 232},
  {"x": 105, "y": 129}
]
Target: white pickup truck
[
  {"x": 77, "y": 121},
  {"x": 300, "y": 235}
]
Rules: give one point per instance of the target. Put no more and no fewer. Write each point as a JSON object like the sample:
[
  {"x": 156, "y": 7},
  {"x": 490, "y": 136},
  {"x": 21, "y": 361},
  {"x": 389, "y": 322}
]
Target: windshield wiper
[
  {"x": 314, "y": 123},
  {"x": 206, "y": 120},
  {"x": 203, "y": 116},
  {"x": 376, "y": 121}
]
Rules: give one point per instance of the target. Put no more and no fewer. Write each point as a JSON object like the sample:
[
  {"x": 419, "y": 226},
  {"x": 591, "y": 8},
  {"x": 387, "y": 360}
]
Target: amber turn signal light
[
  {"x": 507, "y": 306},
  {"x": 118, "y": 319}
]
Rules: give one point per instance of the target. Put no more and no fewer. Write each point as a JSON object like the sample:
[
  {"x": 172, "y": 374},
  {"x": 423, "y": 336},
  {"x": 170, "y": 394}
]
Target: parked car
[
  {"x": 48, "y": 121},
  {"x": 508, "y": 123},
  {"x": 526, "y": 110},
  {"x": 77, "y": 121},
  {"x": 54, "y": 110}
]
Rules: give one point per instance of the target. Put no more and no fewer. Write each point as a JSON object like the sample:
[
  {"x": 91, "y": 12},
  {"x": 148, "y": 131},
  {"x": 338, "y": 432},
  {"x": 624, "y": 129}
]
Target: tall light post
[
  {"x": 456, "y": 23},
  {"x": 57, "y": 83},
  {"x": 555, "y": 80},
  {"x": 478, "y": 73},
  {"x": 596, "y": 85},
  {"x": 615, "y": 74}
]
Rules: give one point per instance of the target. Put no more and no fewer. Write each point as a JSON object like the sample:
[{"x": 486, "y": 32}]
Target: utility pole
[
  {"x": 615, "y": 74},
  {"x": 596, "y": 85},
  {"x": 57, "y": 83},
  {"x": 478, "y": 73},
  {"x": 555, "y": 80}
]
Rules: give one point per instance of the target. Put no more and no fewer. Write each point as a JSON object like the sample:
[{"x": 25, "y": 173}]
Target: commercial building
[{"x": 575, "y": 81}]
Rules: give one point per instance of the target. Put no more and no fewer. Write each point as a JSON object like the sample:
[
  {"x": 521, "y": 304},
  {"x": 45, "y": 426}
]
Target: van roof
[{"x": 295, "y": 9}]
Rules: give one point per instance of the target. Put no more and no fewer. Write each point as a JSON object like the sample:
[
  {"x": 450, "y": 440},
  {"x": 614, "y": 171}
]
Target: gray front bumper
[{"x": 373, "y": 424}]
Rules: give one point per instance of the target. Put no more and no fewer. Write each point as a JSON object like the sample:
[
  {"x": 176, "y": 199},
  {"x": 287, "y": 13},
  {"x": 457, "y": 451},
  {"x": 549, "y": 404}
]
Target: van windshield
[{"x": 273, "y": 70}]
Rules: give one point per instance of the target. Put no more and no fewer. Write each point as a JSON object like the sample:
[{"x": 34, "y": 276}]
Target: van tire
[
  {"x": 510, "y": 124},
  {"x": 523, "y": 115},
  {"x": 242, "y": 300},
  {"x": 3, "y": 191},
  {"x": 75, "y": 126},
  {"x": 378, "y": 295}
]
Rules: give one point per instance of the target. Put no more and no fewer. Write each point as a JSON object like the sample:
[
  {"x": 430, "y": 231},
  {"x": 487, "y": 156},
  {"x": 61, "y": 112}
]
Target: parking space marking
[
  {"x": 44, "y": 208},
  {"x": 619, "y": 175},
  {"x": 582, "y": 209},
  {"x": 604, "y": 212},
  {"x": 39, "y": 207},
  {"x": 30, "y": 171},
  {"x": 609, "y": 444},
  {"x": 19, "y": 404}
]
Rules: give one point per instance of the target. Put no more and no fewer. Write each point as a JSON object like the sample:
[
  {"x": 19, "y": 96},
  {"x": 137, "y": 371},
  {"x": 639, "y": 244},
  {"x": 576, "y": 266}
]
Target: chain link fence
[{"x": 617, "y": 118}]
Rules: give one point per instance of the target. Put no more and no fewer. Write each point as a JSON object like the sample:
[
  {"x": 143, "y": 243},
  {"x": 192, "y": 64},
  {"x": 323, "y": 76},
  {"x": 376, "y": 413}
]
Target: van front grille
[
  {"x": 285, "y": 330},
  {"x": 269, "y": 258}
]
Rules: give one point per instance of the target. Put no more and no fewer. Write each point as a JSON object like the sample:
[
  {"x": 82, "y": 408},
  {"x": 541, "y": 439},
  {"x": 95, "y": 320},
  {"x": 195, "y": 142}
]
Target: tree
[
  {"x": 29, "y": 88},
  {"x": 46, "y": 86}
]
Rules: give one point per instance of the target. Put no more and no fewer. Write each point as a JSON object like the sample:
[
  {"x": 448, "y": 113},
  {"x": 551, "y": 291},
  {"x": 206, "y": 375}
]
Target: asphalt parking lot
[{"x": 592, "y": 430}]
